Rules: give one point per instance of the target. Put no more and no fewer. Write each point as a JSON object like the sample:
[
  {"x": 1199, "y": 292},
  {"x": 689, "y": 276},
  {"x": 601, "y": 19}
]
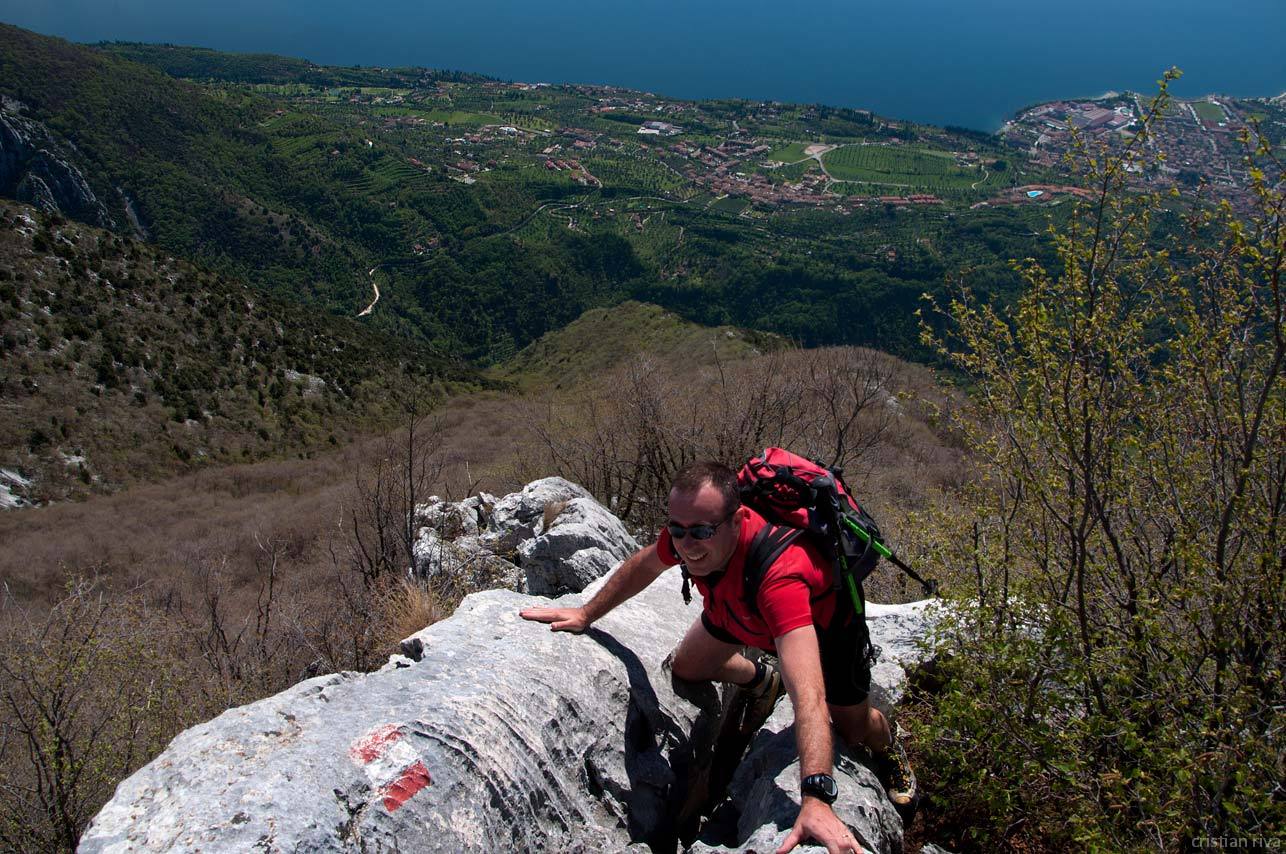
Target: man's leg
[
  {"x": 848, "y": 684},
  {"x": 862, "y": 724},
  {"x": 701, "y": 656}
]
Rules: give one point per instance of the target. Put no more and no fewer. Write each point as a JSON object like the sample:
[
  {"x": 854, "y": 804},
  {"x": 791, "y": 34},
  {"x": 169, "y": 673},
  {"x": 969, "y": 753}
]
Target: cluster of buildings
[
  {"x": 611, "y": 99},
  {"x": 912, "y": 199},
  {"x": 579, "y": 139},
  {"x": 659, "y": 129},
  {"x": 1200, "y": 140},
  {"x": 809, "y": 190},
  {"x": 1046, "y": 131},
  {"x": 579, "y": 173},
  {"x": 721, "y": 175}
]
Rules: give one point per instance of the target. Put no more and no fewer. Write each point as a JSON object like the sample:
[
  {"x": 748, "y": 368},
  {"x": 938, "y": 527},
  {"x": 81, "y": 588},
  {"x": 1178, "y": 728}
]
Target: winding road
[{"x": 371, "y": 307}]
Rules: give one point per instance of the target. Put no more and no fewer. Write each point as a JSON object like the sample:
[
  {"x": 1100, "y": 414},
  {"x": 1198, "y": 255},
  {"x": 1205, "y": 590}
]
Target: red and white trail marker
[{"x": 393, "y": 767}]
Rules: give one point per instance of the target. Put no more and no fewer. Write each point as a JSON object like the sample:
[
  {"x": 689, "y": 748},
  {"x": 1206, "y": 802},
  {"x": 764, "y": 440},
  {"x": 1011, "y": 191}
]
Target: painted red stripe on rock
[
  {"x": 374, "y": 744},
  {"x": 401, "y": 790}
]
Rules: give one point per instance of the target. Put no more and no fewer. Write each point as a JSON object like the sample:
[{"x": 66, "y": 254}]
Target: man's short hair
[{"x": 693, "y": 476}]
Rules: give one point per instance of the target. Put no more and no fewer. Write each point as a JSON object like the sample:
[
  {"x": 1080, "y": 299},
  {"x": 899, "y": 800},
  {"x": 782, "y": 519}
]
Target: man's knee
[
  {"x": 702, "y": 657},
  {"x": 687, "y": 666}
]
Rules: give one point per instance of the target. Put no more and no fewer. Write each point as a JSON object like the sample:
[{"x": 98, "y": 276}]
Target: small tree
[
  {"x": 382, "y": 526},
  {"x": 1116, "y": 666},
  {"x": 88, "y": 693}
]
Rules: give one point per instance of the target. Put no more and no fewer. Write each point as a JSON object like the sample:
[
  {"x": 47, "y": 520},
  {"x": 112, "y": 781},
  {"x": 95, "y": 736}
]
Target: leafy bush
[
  {"x": 89, "y": 693},
  {"x": 1113, "y": 676}
]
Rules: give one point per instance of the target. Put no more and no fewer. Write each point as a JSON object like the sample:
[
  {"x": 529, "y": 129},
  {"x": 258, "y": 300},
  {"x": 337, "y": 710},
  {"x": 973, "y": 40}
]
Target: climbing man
[{"x": 798, "y": 613}]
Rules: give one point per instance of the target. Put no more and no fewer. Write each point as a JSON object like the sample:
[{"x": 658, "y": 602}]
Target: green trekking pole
[{"x": 930, "y": 587}]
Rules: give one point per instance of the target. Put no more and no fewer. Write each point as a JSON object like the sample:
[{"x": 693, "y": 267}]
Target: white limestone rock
[
  {"x": 453, "y": 519},
  {"x": 899, "y": 632},
  {"x": 504, "y": 736},
  {"x": 520, "y": 515},
  {"x": 582, "y": 543},
  {"x": 549, "y": 538},
  {"x": 463, "y": 562},
  {"x": 492, "y": 733}
]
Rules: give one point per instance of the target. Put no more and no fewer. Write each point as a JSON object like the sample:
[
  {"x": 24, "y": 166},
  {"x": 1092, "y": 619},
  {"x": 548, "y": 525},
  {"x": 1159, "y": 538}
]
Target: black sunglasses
[{"x": 698, "y": 532}]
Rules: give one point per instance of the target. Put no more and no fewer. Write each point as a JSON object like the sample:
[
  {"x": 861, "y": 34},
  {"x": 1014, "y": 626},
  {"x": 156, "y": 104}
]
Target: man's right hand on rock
[{"x": 559, "y": 619}]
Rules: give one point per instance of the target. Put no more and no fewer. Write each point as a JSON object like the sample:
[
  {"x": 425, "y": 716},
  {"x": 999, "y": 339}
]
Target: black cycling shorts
[{"x": 846, "y": 653}]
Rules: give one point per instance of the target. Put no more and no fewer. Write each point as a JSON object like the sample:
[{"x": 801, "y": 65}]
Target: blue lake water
[{"x": 962, "y": 62}]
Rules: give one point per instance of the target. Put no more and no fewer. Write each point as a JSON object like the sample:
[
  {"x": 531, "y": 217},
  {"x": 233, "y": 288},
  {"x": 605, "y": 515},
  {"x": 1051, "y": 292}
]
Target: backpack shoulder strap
[{"x": 764, "y": 550}]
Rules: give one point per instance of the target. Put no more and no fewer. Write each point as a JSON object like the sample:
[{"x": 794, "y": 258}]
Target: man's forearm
[
  {"x": 813, "y": 736},
  {"x": 801, "y": 665},
  {"x": 637, "y": 572}
]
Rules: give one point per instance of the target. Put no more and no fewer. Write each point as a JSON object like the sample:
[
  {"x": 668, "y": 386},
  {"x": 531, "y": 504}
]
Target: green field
[
  {"x": 789, "y": 153},
  {"x": 1209, "y": 112},
  {"x": 451, "y": 117},
  {"x": 638, "y": 175},
  {"x": 899, "y": 168},
  {"x": 730, "y": 204}
]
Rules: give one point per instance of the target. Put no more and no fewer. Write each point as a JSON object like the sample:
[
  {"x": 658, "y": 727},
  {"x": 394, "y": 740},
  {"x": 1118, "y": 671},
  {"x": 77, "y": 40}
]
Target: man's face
[{"x": 705, "y": 507}]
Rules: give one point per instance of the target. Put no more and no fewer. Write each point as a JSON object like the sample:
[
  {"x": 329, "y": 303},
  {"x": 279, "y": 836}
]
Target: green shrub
[
  {"x": 1113, "y": 677},
  {"x": 89, "y": 692}
]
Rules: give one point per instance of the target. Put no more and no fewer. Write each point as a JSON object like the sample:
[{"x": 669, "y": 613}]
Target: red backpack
[{"x": 799, "y": 497}]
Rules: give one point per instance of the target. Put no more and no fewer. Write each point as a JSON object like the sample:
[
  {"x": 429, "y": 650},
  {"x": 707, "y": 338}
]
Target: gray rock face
[
  {"x": 504, "y": 737},
  {"x": 452, "y": 519},
  {"x": 765, "y": 791},
  {"x": 34, "y": 169},
  {"x": 550, "y": 538},
  {"x": 582, "y": 543},
  {"x": 898, "y": 631},
  {"x": 520, "y": 515},
  {"x": 463, "y": 561},
  {"x": 500, "y": 735}
]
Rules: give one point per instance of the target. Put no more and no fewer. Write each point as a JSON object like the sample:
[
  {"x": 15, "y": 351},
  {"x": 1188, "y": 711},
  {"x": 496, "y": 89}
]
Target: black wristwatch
[{"x": 820, "y": 786}]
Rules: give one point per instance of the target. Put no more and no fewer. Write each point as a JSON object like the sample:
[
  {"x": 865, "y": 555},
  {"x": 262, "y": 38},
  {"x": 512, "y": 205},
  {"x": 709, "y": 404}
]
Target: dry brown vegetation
[
  {"x": 233, "y": 583},
  {"x": 624, "y": 434}
]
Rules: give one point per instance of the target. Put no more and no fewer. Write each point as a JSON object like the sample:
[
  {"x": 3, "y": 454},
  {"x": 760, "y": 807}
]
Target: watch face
[{"x": 821, "y": 786}]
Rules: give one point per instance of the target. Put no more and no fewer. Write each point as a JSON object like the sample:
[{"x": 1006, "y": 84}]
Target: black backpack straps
[{"x": 764, "y": 550}]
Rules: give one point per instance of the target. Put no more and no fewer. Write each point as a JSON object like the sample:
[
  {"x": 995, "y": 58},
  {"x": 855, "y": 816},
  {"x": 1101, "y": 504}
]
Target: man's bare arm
[
  {"x": 801, "y": 665},
  {"x": 637, "y": 572}
]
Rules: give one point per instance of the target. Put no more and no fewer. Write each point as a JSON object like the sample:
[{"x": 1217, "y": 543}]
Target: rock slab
[{"x": 500, "y": 735}]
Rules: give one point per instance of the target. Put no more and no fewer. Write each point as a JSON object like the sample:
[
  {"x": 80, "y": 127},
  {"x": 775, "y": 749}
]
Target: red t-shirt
[{"x": 796, "y": 590}]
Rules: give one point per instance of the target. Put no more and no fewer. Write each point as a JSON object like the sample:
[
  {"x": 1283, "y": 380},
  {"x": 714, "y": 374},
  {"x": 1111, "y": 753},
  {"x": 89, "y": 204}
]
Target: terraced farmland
[
  {"x": 637, "y": 175},
  {"x": 899, "y": 168}
]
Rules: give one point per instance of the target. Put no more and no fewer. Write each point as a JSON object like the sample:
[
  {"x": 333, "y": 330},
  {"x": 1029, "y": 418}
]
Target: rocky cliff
[
  {"x": 35, "y": 169},
  {"x": 494, "y": 734}
]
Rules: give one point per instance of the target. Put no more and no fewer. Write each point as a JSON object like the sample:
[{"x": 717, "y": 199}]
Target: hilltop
[{"x": 601, "y": 338}]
